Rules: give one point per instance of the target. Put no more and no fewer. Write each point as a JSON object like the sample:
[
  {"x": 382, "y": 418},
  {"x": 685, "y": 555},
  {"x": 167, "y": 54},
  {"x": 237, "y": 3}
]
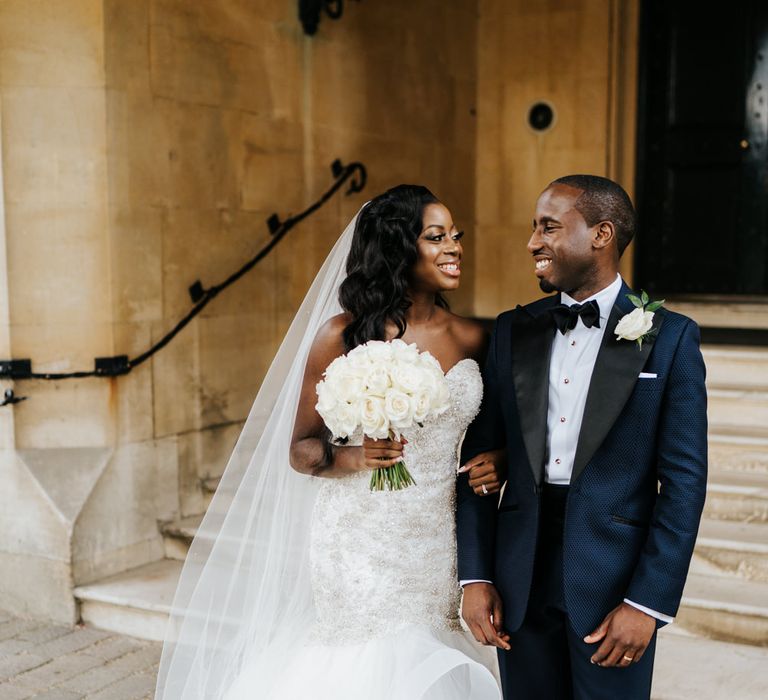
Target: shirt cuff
[
  {"x": 473, "y": 580},
  {"x": 652, "y": 613}
]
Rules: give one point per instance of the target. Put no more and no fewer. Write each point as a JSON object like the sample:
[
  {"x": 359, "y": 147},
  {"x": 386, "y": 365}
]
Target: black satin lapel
[
  {"x": 531, "y": 350},
  {"x": 617, "y": 367}
]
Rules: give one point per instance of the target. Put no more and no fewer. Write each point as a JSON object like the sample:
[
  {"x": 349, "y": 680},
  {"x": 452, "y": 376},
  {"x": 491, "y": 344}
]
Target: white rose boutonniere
[{"x": 637, "y": 325}]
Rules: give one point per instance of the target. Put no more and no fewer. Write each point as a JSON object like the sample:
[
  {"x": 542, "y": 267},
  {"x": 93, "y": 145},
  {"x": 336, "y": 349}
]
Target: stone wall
[
  {"x": 578, "y": 56},
  {"x": 144, "y": 144}
]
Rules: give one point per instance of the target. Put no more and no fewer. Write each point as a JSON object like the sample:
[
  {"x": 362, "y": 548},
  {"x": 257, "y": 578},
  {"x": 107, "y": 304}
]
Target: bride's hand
[
  {"x": 487, "y": 472},
  {"x": 381, "y": 453}
]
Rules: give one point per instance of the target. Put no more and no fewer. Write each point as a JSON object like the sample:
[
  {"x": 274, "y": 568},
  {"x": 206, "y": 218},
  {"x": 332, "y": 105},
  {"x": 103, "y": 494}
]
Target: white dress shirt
[{"x": 570, "y": 372}]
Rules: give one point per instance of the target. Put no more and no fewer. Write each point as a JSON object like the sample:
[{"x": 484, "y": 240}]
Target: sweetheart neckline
[{"x": 463, "y": 359}]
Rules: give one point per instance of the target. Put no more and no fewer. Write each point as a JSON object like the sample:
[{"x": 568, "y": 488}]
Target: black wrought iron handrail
[{"x": 354, "y": 173}]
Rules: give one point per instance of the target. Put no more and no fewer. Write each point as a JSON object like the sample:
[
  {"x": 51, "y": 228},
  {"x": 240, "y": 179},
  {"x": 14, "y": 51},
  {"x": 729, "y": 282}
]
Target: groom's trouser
[{"x": 548, "y": 660}]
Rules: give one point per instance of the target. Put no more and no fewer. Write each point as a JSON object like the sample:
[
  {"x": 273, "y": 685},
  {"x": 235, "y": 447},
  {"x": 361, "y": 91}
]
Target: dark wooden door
[{"x": 702, "y": 185}]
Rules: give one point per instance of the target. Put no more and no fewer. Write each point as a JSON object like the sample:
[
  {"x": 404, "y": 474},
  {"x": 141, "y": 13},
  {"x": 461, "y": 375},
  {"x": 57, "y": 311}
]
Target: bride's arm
[{"x": 311, "y": 449}]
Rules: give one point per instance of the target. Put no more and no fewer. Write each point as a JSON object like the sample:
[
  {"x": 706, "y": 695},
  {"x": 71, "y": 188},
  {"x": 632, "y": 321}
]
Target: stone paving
[{"x": 51, "y": 662}]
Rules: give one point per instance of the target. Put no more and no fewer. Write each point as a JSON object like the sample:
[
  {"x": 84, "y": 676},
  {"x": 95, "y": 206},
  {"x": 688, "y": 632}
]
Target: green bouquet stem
[{"x": 394, "y": 478}]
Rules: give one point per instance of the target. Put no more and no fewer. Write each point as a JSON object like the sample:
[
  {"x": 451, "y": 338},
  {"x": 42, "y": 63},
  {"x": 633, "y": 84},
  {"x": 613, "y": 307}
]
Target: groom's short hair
[{"x": 602, "y": 199}]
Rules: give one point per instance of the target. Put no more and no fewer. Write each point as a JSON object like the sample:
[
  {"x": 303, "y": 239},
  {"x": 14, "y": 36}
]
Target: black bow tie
[{"x": 565, "y": 317}]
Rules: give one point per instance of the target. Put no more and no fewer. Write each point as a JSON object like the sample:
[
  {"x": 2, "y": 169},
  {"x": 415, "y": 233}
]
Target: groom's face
[{"x": 561, "y": 243}]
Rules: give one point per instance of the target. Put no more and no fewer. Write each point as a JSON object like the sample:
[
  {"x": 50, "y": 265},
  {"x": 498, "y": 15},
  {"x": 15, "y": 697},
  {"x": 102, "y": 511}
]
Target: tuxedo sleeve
[
  {"x": 659, "y": 577},
  {"x": 476, "y": 515}
]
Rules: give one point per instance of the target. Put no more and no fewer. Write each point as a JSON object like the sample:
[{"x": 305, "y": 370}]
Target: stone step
[
  {"x": 739, "y": 496},
  {"x": 737, "y": 386},
  {"x": 729, "y": 608},
  {"x": 742, "y": 407},
  {"x": 736, "y": 367},
  {"x": 209, "y": 487},
  {"x": 688, "y": 666},
  {"x": 738, "y": 449},
  {"x": 723, "y": 547},
  {"x": 178, "y": 535},
  {"x": 136, "y": 602},
  {"x": 725, "y": 608},
  {"x": 726, "y": 548}
]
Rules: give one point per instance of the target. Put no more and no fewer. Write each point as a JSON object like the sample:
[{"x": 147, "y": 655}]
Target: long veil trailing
[{"x": 244, "y": 595}]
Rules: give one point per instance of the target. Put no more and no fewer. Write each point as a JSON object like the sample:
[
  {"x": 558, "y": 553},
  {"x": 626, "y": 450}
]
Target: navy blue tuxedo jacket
[{"x": 639, "y": 476}]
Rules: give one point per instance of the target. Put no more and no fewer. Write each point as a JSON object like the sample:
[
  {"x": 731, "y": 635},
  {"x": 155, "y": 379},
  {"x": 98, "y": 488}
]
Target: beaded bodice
[{"x": 384, "y": 559}]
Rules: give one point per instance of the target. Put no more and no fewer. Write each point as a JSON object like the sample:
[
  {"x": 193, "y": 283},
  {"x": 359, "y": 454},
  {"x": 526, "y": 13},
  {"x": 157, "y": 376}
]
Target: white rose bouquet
[{"x": 383, "y": 388}]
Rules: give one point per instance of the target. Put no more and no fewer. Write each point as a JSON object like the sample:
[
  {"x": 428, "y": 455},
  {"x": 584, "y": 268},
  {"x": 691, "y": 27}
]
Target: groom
[{"x": 586, "y": 553}]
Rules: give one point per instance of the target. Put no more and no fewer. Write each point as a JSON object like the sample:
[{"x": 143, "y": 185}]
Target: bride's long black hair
[{"x": 382, "y": 253}]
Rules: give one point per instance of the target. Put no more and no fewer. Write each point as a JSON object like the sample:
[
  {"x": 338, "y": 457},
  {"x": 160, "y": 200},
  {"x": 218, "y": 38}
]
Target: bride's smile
[{"x": 439, "y": 250}]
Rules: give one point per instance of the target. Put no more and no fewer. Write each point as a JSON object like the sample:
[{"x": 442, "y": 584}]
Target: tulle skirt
[{"x": 414, "y": 663}]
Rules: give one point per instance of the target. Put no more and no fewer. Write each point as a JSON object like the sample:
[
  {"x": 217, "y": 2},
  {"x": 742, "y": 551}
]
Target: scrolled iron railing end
[{"x": 118, "y": 365}]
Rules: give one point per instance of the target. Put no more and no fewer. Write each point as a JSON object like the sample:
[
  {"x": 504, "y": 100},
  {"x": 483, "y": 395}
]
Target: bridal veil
[{"x": 244, "y": 594}]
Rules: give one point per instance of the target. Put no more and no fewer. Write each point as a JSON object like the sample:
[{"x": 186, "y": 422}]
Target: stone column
[{"x": 76, "y": 501}]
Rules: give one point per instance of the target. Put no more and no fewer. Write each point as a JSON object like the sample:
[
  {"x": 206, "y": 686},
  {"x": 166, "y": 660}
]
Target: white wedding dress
[
  {"x": 300, "y": 587},
  {"x": 383, "y": 571}
]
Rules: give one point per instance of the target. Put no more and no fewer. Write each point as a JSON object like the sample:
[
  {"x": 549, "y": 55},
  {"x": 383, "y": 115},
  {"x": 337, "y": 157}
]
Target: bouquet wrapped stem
[{"x": 394, "y": 478}]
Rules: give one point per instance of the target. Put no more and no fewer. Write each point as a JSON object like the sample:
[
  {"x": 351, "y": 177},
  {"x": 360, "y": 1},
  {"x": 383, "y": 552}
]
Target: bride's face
[{"x": 438, "y": 267}]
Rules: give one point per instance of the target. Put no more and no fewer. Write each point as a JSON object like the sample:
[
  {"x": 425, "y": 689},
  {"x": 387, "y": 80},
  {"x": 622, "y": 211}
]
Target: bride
[{"x": 303, "y": 582}]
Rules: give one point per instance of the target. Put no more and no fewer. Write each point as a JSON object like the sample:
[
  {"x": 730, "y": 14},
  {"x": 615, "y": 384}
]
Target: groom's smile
[{"x": 562, "y": 244}]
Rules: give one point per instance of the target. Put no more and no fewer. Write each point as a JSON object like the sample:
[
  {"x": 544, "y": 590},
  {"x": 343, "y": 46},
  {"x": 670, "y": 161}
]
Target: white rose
[
  {"x": 348, "y": 383},
  {"x": 441, "y": 401},
  {"x": 407, "y": 377},
  {"x": 326, "y": 400},
  {"x": 378, "y": 351},
  {"x": 634, "y": 325},
  {"x": 434, "y": 382},
  {"x": 377, "y": 379},
  {"x": 359, "y": 358},
  {"x": 404, "y": 353},
  {"x": 422, "y": 403},
  {"x": 343, "y": 420},
  {"x": 335, "y": 367},
  {"x": 429, "y": 362},
  {"x": 399, "y": 409},
  {"x": 374, "y": 419},
  {"x": 347, "y": 417}
]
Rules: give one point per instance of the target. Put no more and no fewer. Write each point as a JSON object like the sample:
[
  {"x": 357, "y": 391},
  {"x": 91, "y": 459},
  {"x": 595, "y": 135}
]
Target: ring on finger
[
  {"x": 485, "y": 490},
  {"x": 628, "y": 659}
]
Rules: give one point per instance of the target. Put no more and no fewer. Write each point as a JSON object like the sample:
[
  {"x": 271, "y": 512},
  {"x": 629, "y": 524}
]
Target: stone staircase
[{"x": 726, "y": 597}]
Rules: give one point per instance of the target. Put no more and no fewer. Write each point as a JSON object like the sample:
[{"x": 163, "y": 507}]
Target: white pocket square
[{"x": 648, "y": 375}]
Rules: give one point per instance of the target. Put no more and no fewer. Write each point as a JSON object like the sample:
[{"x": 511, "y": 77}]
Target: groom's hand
[
  {"x": 482, "y": 611},
  {"x": 625, "y": 632}
]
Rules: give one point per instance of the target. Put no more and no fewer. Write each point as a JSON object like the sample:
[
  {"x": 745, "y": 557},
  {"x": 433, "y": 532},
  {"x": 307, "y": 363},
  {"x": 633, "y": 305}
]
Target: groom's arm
[
  {"x": 476, "y": 515},
  {"x": 659, "y": 577}
]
